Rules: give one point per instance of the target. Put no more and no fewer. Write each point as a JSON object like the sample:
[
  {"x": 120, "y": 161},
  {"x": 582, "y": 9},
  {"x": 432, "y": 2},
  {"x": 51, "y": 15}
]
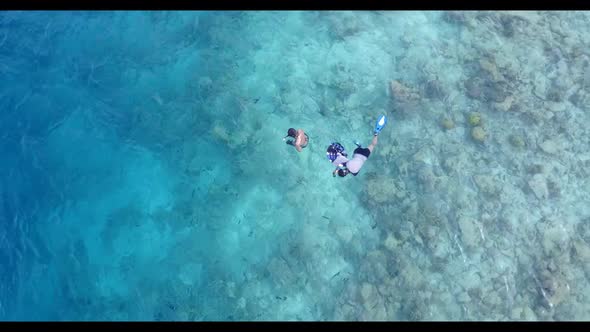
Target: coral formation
[
  {"x": 402, "y": 94},
  {"x": 381, "y": 189},
  {"x": 469, "y": 232},
  {"x": 549, "y": 146},
  {"x": 447, "y": 123},
  {"x": 474, "y": 119},
  {"x": 538, "y": 185},
  {"x": 517, "y": 141},
  {"x": 478, "y": 134}
]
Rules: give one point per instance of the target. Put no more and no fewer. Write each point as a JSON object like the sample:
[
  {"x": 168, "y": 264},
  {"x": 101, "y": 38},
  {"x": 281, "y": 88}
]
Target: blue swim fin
[{"x": 380, "y": 124}]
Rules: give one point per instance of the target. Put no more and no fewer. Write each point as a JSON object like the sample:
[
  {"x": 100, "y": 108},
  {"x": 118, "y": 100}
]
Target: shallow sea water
[{"x": 144, "y": 176}]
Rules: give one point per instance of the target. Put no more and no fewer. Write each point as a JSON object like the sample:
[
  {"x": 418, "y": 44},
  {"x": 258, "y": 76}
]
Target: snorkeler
[
  {"x": 300, "y": 138},
  {"x": 337, "y": 155}
]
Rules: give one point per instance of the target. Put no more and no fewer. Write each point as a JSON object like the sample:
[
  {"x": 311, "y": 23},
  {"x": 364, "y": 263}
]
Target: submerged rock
[
  {"x": 447, "y": 123},
  {"x": 371, "y": 300},
  {"x": 401, "y": 93},
  {"x": 506, "y": 105},
  {"x": 391, "y": 242},
  {"x": 345, "y": 233},
  {"x": 469, "y": 231},
  {"x": 382, "y": 189},
  {"x": 540, "y": 86},
  {"x": 582, "y": 251},
  {"x": 426, "y": 177},
  {"x": 523, "y": 313},
  {"x": 555, "y": 238},
  {"x": 511, "y": 24},
  {"x": 538, "y": 184},
  {"x": 280, "y": 272},
  {"x": 434, "y": 89},
  {"x": 555, "y": 287},
  {"x": 487, "y": 184},
  {"x": 486, "y": 90},
  {"x": 549, "y": 146},
  {"x": 490, "y": 68},
  {"x": 516, "y": 141},
  {"x": 455, "y": 17},
  {"x": 473, "y": 88},
  {"x": 555, "y": 107},
  {"x": 343, "y": 25}
]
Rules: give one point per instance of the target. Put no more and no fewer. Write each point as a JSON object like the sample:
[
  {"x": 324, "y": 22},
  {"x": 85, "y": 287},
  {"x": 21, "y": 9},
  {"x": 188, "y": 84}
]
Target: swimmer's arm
[
  {"x": 335, "y": 171},
  {"x": 298, "y": 147}
]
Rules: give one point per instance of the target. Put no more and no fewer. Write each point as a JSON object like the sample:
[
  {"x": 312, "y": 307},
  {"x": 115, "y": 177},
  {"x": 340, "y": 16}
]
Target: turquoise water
[{"x": 144, "y": 176}]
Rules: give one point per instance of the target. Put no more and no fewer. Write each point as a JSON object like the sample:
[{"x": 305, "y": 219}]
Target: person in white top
[{"x": 345, "y": 166}]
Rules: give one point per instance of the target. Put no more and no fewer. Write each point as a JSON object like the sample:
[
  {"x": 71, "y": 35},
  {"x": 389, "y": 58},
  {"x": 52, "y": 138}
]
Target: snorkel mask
[{"x": 333, "y": 150}]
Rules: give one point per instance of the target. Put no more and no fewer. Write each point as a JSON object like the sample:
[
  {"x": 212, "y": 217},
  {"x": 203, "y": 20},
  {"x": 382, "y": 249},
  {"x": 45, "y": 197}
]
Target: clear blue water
[{"x": 144, "y": 176}]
